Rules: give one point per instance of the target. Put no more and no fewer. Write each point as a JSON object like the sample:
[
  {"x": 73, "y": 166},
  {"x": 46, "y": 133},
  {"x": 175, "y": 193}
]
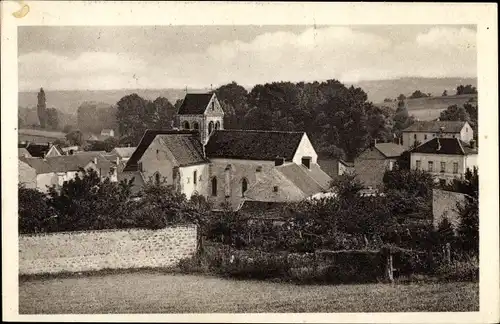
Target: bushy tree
[
  {"x": 454, "y": 113},
  {"x": 52, "y": 118},
  {"x": 402, "y": 118},
  {"x": 42, "y": 108},
  {"x": 418, "y": 94},
  {"x": 468, "y": 89},
  {"x": 233, "y": 99},
  {"x": 75, "y": 137},
  {"x": 35, "y": 215},
  {"x": 416, "y": 182},
  {"x": 445, "y": 93}
]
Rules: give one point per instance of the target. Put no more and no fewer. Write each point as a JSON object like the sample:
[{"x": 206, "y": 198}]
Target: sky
[{"x": 149, "y": 57}]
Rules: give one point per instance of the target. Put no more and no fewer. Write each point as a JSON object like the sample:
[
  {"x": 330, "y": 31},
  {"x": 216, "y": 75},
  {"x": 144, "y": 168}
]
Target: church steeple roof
[{"x": 195, "y": 103}]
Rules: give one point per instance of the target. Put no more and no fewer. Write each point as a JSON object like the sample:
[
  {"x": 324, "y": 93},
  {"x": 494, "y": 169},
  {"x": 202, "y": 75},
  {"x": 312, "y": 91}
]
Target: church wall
[
  {"x": 239, "y": 169},
  {"x": 189, "y": 186},
  {"x": 305, "y": 148},
  {"x": 157, "y": 159}
]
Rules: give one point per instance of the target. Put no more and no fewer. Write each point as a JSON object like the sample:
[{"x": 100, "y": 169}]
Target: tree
[
  {"x": 454, "y": 113},
  {"x": 418, "y": 94},
  {"x": 468, "y": 89},
  {"x": 163, "y": 114},
  {"x": 416, "y": 182},
  {"x": 445, "y": 93},
  {"x": 41, "y": 108},
  {"x": 387, "y": 100},
  {"x": 34, "y": 214},
  {"x": 346, "y": 186},
  {"x": 52, "y": 118},
  {"x": 402, "y": 119},
  {"x": 132, "y": 117},
  {"x": 401, "y": 97},
  {"x": 233, "y": 99},
  {"x": 75, "y": 138}
]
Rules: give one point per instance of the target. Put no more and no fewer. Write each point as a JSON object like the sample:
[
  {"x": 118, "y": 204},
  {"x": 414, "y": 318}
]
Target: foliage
[
  {"x": 35, "y": 215},
  {"x": 52, "y": 118},
  {"x": 75, "y": 137},
  {"x": 402, "y": 119},
  {"x": 454, "y": 113},
  {"x": 459, "y": 270},
  {"x": 107, "y": 145},
  {"x": 468, "y": 89},
  {"x": 233, "y": 99},
  {"x": 401, "y": 97},
  {"x": 93, "y": 117},
  {"x": 135, "y": 114},
  {"x": 387, "y": 100},
  {"x": 418, "y": 94},
  {"x": 445, "y": 93},
  {"x": 42, "y": 108},
  {"x": 417, "y": 182}
]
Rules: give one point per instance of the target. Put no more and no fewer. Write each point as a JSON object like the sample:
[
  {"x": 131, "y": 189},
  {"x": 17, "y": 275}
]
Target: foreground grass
[{"x": 174, "y": 293}]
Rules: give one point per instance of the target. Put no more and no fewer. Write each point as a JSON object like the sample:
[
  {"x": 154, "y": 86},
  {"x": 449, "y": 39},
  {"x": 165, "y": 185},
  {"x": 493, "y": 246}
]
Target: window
[
  {"x": 418, "y": 164},
  {"x": 139, "y": 165},
  {"x": 415, "y": 136},
  {"x": 217, "y": 125},
  {"x": 455, "y": 167},
  {"x": 443, "y": 166},
  {"x": 195, "y": 177},
  {"x": 244, "y": 186},
  {"x": 157, "y": 178},
  {"x": 186, "y": 125},
  {"x": 391, "y": 165},
  {"x": 442, "y": 182},
  {"x": 214, "y": 186},
  {"x": 466, "y": 129},
  {"x": 196, "y": 126},
  {"x": 275, "y": 189},
  {"x": 453, "y": 136},
  {"x": 430, "y": 166},
  {"x": 425, "y": 137},
  {"x": 213, "y": 105},
  {"x": 210, "y": 127}
]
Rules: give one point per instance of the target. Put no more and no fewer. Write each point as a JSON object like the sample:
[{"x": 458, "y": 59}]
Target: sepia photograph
[{"x": 205, "y": 168}]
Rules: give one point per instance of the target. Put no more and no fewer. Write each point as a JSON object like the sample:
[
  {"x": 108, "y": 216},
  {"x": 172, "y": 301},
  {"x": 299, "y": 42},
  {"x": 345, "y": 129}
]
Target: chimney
[
  {"x": 95, "y": 160},
  {"x": 279, "y": 161},
  {"x": 306, "y": 161},
  {"x": 472, "y": 144},
  {"x": 441, "y": 131}
]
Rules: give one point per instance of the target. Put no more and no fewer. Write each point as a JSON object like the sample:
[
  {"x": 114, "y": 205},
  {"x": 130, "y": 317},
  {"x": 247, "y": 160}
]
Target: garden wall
[
  {"x": 107, "y": 249},
  {"x": 444, "y": 205}
]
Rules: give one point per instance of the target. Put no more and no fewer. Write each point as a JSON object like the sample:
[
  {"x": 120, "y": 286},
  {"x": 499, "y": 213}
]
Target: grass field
[{"x": 150, "y": 292}]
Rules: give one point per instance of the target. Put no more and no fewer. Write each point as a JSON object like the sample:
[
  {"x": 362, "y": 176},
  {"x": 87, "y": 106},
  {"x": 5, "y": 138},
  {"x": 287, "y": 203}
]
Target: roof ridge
[{"x": 259, "y": 131}]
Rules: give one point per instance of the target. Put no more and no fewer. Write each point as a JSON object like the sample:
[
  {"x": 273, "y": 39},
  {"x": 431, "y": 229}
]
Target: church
[{"x": 227, "y": 166}]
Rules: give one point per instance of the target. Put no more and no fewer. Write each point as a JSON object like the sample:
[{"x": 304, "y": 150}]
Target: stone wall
[
  {"x": 444, "y": 205},
  {"x": 109, "y": 249}
]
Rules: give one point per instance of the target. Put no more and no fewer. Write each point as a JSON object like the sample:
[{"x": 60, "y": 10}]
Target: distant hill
[
  {"x": 429, "y": 108},
  {"x": 69, "y": 101},
  {"x": 378, "y": 90}
]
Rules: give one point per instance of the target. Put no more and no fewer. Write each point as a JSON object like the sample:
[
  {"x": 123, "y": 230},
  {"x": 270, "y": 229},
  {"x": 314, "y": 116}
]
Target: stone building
[
  {"x": 372, "y": 163},
  {"x": 227, "y": 166},
  {"x": 423, "y": 131}
]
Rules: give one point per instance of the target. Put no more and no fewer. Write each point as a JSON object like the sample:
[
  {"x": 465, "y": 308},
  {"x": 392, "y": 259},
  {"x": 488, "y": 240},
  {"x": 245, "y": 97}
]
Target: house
[
  {"x": 227, "y": 166},
  {"x": 445, "y": 158},
  {"x": 172, "y": 156},
  {"x": 53, "y": 151},
  {"x": 335, "y": 167},
  {"x": 201, "y": 112},
  {"x": 123, "y": 153},
  {"x": 35, "y": 150},
  {"x": 57, "y": 169},
  {"x": 372, "y": 163},
  {"x": 108, "y": 133},
  {"x": 70, "y": 150},
  {"x": 423, "y": 131}
]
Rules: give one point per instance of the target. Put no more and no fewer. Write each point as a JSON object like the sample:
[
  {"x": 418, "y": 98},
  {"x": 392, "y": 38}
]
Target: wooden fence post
[{"x": 389, "y": 268}]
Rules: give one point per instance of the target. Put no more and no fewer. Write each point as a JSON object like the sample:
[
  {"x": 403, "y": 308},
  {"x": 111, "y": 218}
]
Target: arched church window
[
  {"x": 157, "y": 178},
  {"x": 214, "y": 186},
  {"x": 186, "y": 125},
  {"x": 210, "y": 127},
  {"x": 244, "y": 186},
  {"x": 217, "y": 125},
  {"x": 196, "y": 126},
  {"x": 195, "y": 177}
]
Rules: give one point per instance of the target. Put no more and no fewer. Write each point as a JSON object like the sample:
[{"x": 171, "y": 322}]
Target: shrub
[
  {"x": 34, "y": 214},
  {"x": 459, "y": 270}
]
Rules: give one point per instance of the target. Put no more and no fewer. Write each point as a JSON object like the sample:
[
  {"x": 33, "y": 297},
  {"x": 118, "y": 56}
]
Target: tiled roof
[
  {"x": 23, "y": 152},
  {"x": 194, "y": 103},
  {"x": 74, "y": 162},
  {"x": 186, "y": 148},
  {"x": 37, "y": 150},
  {"x": 452, "y": 146},
  {"x": 253, "y": 144},
  {"x": 146, "y": 140},
  {"x": 124, "y": 152},
  {"x": 320, "y": 176},
  {"x": 299, "y": 176},
  {"x": 40, "y": 165},
  {"x": 390, "y": 149},
  {"x": 435, "y": 126},
  {"x": 262, "y": 209}
]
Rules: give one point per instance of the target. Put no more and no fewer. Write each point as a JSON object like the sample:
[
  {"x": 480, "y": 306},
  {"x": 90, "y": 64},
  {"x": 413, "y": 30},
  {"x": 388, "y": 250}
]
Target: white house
[
  {"x": 445, "y": 158},
  {"x": 423, "y": 131}
]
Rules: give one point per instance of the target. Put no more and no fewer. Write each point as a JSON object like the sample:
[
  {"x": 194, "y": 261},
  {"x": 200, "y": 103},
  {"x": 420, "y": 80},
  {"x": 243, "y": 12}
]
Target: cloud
[{"x": 313, "y": 54}]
